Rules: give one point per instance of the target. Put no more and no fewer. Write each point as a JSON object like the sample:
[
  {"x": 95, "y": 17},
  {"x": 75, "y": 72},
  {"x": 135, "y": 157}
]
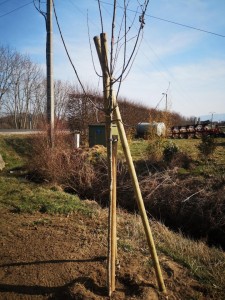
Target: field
[{"x": 54, "y": 245}]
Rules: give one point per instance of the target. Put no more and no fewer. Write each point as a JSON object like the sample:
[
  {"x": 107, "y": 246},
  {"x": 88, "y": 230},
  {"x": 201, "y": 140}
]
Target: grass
[
  {"x": 213, "y": 166},
  {"x": 15, "y": 150},
  {"x": 205, "y": 264},
  {"x": 189, "y": 146},
  {"x": 138, "y": 149},
  {"x": 24, "y": 197}
]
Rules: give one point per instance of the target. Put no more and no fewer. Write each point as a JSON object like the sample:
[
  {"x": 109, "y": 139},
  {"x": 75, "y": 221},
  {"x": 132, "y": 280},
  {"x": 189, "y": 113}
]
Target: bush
[
  {"x": 207, "y": 146},
  {"x": 155, "y": 149},
  {"x": 169, "y": 152},
  {"x": 61, "y": 165}
]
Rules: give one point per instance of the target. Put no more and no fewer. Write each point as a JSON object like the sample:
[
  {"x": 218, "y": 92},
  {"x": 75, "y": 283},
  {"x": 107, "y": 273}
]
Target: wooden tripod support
[{"x": 111, "y": 105}]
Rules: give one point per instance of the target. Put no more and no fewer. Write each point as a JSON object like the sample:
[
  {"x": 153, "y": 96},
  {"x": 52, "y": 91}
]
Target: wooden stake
[
  {"x": 108, "y": 95},
  {"x": 113, "y": 214},
  {"x": 101, "y": 46},
  {"x": 139, "y": 198}
]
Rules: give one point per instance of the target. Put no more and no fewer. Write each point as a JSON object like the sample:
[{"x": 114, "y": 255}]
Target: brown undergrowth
[{"x": 192, "y": 203}]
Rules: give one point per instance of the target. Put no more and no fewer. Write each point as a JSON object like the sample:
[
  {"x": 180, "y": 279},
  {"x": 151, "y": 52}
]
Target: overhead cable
[
  {"x": 71, "y": 62},
  {"x": 15, "y": 9},
  {"x": 169, "y": 21}
]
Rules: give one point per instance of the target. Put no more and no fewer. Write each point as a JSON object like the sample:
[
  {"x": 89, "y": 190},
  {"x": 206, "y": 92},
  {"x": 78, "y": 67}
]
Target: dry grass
[
  {"x": 205, "y": 264},
  {"x": 193, "y": 203}
]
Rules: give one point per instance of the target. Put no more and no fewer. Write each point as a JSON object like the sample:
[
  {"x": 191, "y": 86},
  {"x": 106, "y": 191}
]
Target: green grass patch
[
  {"x": 138, "y": 149},
  {"x": 125, "y": 246},
  {"x": 24, "y": 197},
  {"x": 15, "y": 150}
]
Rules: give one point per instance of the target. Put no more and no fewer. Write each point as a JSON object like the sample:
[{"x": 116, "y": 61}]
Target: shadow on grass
[{"x": 22, "y": 146}]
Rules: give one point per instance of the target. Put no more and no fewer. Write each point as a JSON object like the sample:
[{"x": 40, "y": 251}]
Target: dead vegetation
[
  {"x": 182, "y": 200},
  {"x": 55, "y": 246}
]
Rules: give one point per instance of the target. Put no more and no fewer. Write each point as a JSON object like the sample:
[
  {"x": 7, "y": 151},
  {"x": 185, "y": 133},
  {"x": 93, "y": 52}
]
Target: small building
[{"x": 97, "y": 134}]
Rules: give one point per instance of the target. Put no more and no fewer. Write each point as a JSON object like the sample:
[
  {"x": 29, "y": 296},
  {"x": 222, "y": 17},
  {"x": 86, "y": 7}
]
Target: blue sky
[{"x": 190, "y": 62}]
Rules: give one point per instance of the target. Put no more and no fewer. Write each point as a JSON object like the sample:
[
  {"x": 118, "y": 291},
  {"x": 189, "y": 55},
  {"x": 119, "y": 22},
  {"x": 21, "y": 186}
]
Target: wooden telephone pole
[
  {"x": 50, "y": 81},
  {"x": 110, "y": 104}
]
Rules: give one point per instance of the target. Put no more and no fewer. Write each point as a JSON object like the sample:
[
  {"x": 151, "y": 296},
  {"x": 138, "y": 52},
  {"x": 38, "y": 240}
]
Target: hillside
[{"x": 54, "y": 246}]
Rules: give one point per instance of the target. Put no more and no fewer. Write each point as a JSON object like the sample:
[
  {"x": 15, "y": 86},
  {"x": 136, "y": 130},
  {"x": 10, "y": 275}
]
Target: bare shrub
[
  {"x": 181, "y": 160},
  {"x": 62, "y": 164},
  {"x": 196, "y": 205},
  {"x": 190, "y": 204}
]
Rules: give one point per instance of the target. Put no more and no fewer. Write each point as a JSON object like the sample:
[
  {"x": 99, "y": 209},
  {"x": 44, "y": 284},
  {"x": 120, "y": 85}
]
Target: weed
[
  {"x": 125, "y": 246},
  {"x": 42, "y": 221},
  {"x": 207, "y": 146}
]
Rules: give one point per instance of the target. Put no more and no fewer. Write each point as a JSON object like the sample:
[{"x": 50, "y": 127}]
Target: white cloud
[{"x": 195, "y": 89}]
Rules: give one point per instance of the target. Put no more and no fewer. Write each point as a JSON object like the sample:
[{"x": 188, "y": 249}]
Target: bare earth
[{"x": 59, "y": 257}]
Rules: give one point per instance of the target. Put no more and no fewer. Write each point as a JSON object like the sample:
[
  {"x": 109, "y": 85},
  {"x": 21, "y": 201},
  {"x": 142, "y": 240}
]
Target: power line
[
  {"x": 169, "y": 21},
  {"x": 188, "y": 26},
  {"x": 18, "y": 8},
  {"x": 71, "y": 62},
  {"x": 65, "y": 47}
]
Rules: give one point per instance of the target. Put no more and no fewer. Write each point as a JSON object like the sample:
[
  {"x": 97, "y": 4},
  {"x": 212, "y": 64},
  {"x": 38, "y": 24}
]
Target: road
[{"x": 18, "y": 131}]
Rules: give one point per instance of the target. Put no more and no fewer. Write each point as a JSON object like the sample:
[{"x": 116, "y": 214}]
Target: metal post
[{"x": 50, "y": 82}]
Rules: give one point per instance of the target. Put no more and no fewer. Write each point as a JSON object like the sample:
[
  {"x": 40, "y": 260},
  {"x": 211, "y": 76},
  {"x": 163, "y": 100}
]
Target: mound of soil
[{"x": 59, "y": 257}]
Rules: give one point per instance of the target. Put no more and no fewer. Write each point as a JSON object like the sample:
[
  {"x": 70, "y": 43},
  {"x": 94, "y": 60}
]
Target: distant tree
[
  {"x": 20, "y": 83},
  {"x": 62, "y": 92},
  {"x": 8, "y": 62},
  {"x": 19, "y": 100},
  {"x": 82, "y": 111}
]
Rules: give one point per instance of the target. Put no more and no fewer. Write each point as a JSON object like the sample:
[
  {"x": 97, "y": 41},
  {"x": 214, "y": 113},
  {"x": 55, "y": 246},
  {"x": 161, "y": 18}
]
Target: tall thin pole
[
  {"x": 166, "y": 100},
  {"x": 50, "y": 82},
  {"x": 101, "y": 46},
  {"x": 212, "y": 113},
  {"x": 139, "y": 198},
  {"x": 101, "y": 50},
  {"x": 113, "y": 214}
]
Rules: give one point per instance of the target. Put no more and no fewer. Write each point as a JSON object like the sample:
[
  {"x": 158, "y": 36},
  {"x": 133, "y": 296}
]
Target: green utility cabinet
[{"x": 97, "y": 134}]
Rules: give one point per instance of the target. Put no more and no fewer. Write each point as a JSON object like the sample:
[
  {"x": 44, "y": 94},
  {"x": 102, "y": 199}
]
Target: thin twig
[
  {"x": 188, "y": 198},
  {"x": 100, "y": 12}
]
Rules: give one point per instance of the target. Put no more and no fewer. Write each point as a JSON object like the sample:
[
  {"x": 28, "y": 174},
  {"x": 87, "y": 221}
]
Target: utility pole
[
  {"x": 212, "y": 113},
  {"x": 50, "y": 81},
  {"x": 166, "y": 100}
]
